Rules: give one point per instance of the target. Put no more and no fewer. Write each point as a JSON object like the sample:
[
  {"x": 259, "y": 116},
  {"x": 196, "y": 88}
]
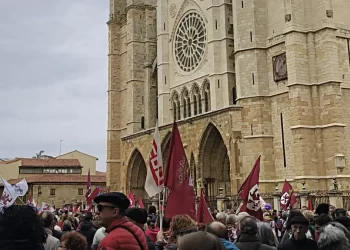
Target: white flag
[
  {"x": 21, "y": 188},
  {"x": 8, "y": 196},
  {"x": 155, "y": 176},
  {"x": 46, "y": 207}
]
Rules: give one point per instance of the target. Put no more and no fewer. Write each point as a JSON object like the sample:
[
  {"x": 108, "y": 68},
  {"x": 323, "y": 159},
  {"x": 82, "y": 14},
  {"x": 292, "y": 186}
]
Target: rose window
[{"x": 190, "y": 41}]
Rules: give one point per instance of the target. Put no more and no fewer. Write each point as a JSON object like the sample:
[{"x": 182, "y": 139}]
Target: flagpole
[
  {"x": 160, "y": 210},
  {"x": 237, "y": 200}
]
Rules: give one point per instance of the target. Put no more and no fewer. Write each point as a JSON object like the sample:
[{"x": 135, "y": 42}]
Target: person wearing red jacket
[{"x": 122, "y": 234}]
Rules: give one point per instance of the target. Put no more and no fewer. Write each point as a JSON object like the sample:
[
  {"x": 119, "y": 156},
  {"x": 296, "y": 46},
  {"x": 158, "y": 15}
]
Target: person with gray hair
[
  {"x": 221, "y": 217},
  {"x": 249, "y": 236},
  {"x": 332, "y": 238},
  {"x": 266, "y": 235},
  {"x": 231, "y": 224},
  {"x": 47, "y": 219},
  {"x": 220, "y": 231}
]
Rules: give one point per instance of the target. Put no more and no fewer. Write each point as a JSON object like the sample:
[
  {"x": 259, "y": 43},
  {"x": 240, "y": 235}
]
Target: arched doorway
[
  {"x": 214, "y": 163},
  {"x": 137, "y": 174}
]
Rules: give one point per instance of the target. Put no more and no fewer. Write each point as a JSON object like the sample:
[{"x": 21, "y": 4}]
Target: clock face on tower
[{"x": 279, "y": 64}]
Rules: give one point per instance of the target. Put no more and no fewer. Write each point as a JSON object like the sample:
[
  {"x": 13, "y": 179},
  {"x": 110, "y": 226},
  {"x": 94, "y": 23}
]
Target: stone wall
[
  {"x": 195, "y": 134},
  {"x": 310, "y": 102},
  {"x": 64, "y": 193}
]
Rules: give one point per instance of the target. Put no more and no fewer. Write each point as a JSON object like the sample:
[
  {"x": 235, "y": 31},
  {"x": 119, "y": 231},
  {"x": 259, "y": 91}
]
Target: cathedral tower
[
  {"x": 132, "y": 88},
  {"x": 287, "y": 56}
]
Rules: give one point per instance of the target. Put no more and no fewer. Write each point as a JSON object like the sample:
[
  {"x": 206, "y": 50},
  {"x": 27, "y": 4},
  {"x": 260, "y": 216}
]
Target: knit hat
[
  {"x": 323, "y": 208},
  {"x": 139, "y": 215}
]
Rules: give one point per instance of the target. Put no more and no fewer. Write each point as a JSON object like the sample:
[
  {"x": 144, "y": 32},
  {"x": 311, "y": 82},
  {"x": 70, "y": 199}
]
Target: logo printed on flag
[
  {"x": 156, "y": 168},
  {"x": 285, "y": 198},
  {"x": 253, "y": 202},
  {"x": 154, "y": 183}
]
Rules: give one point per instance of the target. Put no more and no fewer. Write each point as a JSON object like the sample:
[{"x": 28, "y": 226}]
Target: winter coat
[
  {"x": 228, "y": 245},
  {"x": 251, "y": 242},
  {"x": 57, "y": 234},
  {"x": 99, "y": 236},
  {"x": 87, "y": 229},
  {"x": 150, "y": 244},
  {"x": 152, "y": 233},
  {"x": 20, "y": 245},
  {"x": 160, "y": 246},
  {"x": 292, "y": 244},
  {"x": 51, "y": 242},
  {"x": 119, "y": 238}
]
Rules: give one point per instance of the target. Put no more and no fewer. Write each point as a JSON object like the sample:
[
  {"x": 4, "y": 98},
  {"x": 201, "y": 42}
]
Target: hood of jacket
[{"x": 86, "y": 225}]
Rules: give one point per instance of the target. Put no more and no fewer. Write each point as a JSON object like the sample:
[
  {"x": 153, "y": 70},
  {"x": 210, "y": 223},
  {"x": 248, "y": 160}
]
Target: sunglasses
[{"x": 101, "y": 207}]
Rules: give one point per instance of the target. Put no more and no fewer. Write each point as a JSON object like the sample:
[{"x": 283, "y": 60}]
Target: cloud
[{"x": 53, "y": 77}]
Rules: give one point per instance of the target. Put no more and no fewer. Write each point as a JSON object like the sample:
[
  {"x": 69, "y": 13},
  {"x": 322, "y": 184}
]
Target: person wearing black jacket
[
  {"x": 87, "y": 229},
  {"x": 298, "y": 240},
  {"x": 139, "y": 217}
]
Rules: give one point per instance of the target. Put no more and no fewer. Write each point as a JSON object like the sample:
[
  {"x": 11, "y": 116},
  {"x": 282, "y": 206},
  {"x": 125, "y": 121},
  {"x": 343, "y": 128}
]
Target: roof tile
[
  {"x": 27, "y": 162},
  {"x": 62, "y": 178}
]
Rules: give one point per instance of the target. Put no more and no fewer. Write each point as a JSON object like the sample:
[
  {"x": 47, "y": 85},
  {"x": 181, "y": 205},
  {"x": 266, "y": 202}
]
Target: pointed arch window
[
  {"x": 234, "y": 95},
  {"x": 176, "y": 107},
  {"x": 142, "y": 122},
  {"x": 186, "y": 103},
  {"x": 206, "y": 89},
  {"x": 197, "y": 106}
]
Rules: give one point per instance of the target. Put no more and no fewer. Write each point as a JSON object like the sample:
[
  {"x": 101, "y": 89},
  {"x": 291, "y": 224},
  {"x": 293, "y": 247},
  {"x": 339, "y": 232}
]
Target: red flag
[
  {"x": 92, "y": 196},
  {"x": 88, "y": 186},
  {"x": 287, "y": 196},
  {"x": 75, "y": 208},
  {"x": 131, "y": 199},
  {"x": 309, "y": 204},
  {"x": 178, "y": 179},
  {"x": 140, "y": 203},
  {"x": 249, "y": 193},
  {"x": 203, "y": 214}
]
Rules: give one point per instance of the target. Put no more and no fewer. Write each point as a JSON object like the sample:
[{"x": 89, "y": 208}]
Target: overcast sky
[{"x": 53, "y": 77}]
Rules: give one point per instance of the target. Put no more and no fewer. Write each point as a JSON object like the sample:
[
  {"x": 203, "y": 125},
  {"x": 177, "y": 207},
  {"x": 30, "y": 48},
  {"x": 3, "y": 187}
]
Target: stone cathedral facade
[{"x": 241, "y": 78}]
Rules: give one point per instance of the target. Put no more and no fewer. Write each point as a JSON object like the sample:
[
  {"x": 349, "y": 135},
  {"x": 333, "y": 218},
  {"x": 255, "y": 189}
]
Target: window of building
[
  {"x": 190, "y": 41},
  {"x": 206, "y": 88},
  {"x": 174, "y": 110},
  {"x": 349, "y": 50},
  {"x": 195, "y": 104},
  {"x": 80, "y": 191},
  {"x": 185, "y": 109},
  {"x": 176, "y": 107},
  {"x": 52, "y": 191},
  {"x": 186, "y": 102},
  {"x": 234, "y": 95},
  {"x": 142, "y": 122}
]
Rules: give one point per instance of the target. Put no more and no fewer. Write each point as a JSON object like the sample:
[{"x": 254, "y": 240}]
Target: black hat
[
  {"x": 116, "y": 198},
  {"x": 299, "y": 220},
  {"x": 136, "y": 214},
  {"x": 323, "y": 208},
  {"x": 345, "y": 221}
]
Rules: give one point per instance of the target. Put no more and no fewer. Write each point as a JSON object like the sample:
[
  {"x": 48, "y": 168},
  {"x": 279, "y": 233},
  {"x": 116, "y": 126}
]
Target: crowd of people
[{"x": 117, "y": 226}]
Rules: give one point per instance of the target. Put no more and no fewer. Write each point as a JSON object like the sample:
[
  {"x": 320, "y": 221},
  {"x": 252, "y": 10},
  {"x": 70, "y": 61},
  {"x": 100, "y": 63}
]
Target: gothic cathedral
[{"x": 242, "y": 78}]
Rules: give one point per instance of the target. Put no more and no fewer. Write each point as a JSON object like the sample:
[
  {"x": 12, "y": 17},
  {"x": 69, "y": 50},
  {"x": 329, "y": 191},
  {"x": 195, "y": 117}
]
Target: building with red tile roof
[{"x": 55, "y": 180}]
